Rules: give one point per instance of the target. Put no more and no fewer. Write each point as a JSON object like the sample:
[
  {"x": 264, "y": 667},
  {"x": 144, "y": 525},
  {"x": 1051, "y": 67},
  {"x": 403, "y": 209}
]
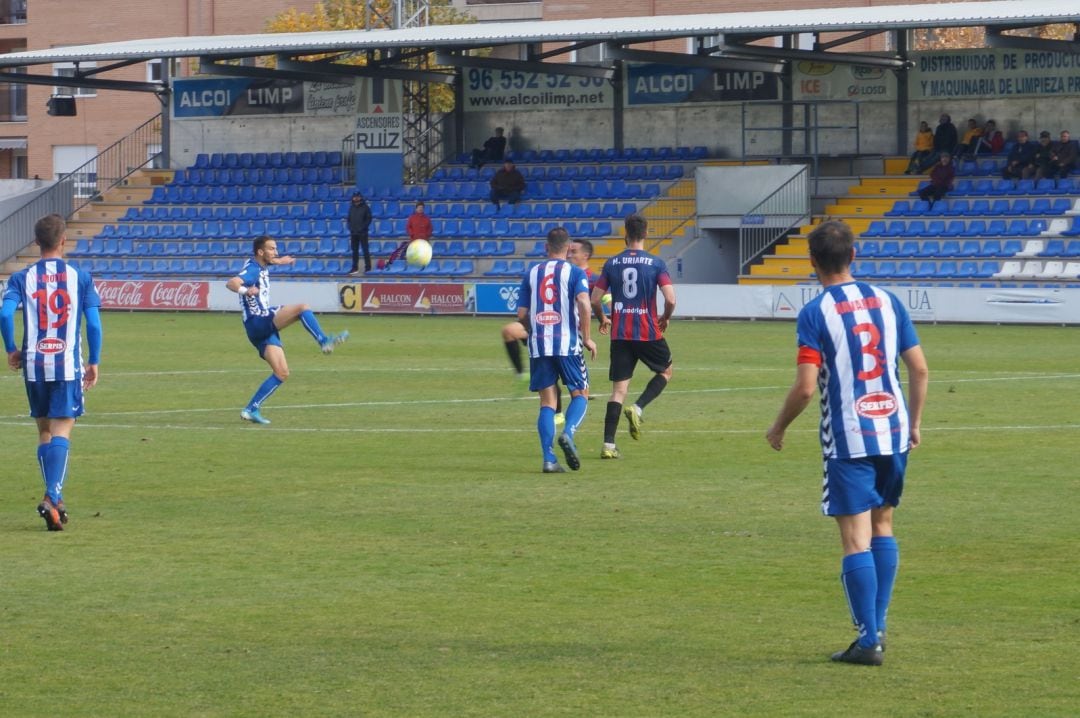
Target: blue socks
[
  {"x": 575, "y": 414},
  {"x": 859, "y": 578},
  {"x": 56, "y": 459},
  {"x": 886, "y": 554},
  {"x": 545, "y": 426},
  {"x": 263, "y": 393},
  {"x": 310, "y": 323}
]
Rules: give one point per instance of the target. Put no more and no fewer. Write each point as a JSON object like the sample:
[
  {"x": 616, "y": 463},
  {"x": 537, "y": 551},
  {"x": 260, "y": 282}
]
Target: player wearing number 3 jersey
[
  {"x": 634, "y": 277},
  {"x": 852, "y": 338},
  {"x": 56, "y": 297}
]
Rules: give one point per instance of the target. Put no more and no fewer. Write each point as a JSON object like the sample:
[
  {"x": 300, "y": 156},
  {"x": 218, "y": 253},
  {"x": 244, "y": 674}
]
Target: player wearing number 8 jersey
[
  {"x": 634, "y": 277},
  {"x": 56, "y": 297},
  {"x": 852, "y": 338}
]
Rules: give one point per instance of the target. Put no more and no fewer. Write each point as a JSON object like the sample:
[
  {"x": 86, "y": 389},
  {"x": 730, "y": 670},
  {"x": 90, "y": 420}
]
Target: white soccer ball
[{"x": 418, "y": 253}]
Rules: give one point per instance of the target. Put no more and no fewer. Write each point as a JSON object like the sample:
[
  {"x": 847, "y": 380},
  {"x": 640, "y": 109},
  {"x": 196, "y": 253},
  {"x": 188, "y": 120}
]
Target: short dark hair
[
  {"x": 48, "y": 230},
  {"x": 636, "y": 226},
  {"x": 259, "y": 242},
  {"x": 830, "y": 246},
  {"x": 586, "y": 245},
  {"x": 557, "y": 239}
]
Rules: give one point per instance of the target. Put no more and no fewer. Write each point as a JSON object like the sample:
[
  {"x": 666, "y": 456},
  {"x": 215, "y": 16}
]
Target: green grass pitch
[{"x": 389, "y": 547}]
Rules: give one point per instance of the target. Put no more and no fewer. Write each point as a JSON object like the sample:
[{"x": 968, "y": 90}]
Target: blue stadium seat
[
  {"x": 900, "y": 208},
  {"x": 950, "y": 248},
  {"x": 909, "y": 248},
  {"x": 946, "y": 270},
  {"x": 1011, "y": 247},
  {"x": 868, "y": 248},
  {"x": 1053, "y": 248},
  {"x": 498, "y": 268},
  {"x": 930, "y": 248},
  {"x": 990, "y": 248},
  {"x": 889, "y": 248},
  {"x": 995, "y": 228},
  {"x": 539, "y": 250},
  {"x": 1017, "y": 227}
]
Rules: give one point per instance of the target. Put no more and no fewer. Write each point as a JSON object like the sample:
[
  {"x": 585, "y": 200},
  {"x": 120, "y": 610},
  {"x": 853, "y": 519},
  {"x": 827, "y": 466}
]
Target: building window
[
  {"x": 67, "y": 69},
  {"x": 78, "y": 161},
  {"x": 594, "y": 54},
  {"x": 20, "y": 166},
  {"x": 12, "y": 12},
  {"x": 153, "y": 70}
]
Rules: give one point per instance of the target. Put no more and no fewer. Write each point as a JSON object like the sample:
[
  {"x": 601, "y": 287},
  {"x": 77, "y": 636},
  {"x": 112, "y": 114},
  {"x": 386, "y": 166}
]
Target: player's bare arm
[
  {"x": 15, "y": 360},
  {"x": 918, "y": 381},
  {"x": 585, "y": 323},
  {"x": 799, "y": 396},
  {"x": 598, "y": 310},
  {"x": 669, "y": 306},
  {"x": 90, "y": 376}
]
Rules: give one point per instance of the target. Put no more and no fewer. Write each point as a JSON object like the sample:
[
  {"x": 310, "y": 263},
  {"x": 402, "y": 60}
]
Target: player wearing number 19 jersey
[
  {"x": 56, "y": 298},
  {"x": 634, "y": 277},
  {"x": 852, "y": 339}
]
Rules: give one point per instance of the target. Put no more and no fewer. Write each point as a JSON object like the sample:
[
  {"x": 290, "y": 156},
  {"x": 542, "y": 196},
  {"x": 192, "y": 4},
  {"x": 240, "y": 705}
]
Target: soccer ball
[{"x": 418, "y": 253}]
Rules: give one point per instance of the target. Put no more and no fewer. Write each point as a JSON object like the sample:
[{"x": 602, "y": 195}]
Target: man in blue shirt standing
[
  {"x": 554, "y": 306},
  {"x": 56, "y": 298},
  {"x": 852, "y": 338},
  {"x": 262, "y": 321}
]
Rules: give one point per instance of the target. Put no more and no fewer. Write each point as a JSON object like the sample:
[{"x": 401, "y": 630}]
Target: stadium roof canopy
[{"x": 722, "y": 38}]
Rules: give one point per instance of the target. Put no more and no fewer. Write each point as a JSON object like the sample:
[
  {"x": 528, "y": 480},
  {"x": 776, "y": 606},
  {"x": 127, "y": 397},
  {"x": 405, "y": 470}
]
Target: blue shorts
[
  {"x": 852, "y": 486},
  {"x": 545, "y": 371},
  {"x": 261, "y": 331},
  {"x": 55, "y": 399}
]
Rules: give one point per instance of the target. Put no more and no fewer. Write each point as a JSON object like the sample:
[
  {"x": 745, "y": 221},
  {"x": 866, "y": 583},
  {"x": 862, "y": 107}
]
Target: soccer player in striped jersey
[
  {"x": 554, "y": 305},
  {"x": 852, "y": 338},
  {"x": 634, "y": 277},
  {"x": 262, "y": 321},
  {"x": 57, "y": 298}
]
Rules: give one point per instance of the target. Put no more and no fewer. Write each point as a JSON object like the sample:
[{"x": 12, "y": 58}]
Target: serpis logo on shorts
[
  {"x": 876, "y": 405},
  {"x": 548, "y": 319},
  {"x": 51, "y": 345}
]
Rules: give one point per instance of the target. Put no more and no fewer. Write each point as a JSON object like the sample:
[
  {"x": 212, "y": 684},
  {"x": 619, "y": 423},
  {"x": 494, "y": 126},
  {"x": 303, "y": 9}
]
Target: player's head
[
  {"x": 49, "y": 232},
  {"x": 580, "y": 251},
  {"x": 264, "y": 248},
  {"x": 636, "y": 226},
  {"x": 558, "y": 240},
  {"x": 419, "y": 208},
  {"x": 831, "y": 247}
]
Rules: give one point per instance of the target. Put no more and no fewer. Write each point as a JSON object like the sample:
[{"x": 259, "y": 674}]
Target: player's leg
[
  {"x": 620, "y": 370},
  {"x": 657, "y": 356},
  {"x": 290, "y": 313},
  {"x": 542, "y": 374},
  {"x": 512, "y": 336},
  {"x": 848, "y": 495},
  {"x": 575, "y": 375},
  {"x": 274, "y": 355},
  {"x": 884, "y": 547},
  {"x": 365, "y": 245}
]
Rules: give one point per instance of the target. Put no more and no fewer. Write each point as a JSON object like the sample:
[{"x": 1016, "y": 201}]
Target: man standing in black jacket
[{"x": 359, "y": 220}]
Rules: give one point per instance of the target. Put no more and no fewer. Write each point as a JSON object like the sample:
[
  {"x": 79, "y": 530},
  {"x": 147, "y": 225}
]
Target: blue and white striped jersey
[
  {"x": 855, "y": 333},
  {"x": 548, "y": 291},
  {"x": 54, "y": 295},
  {"x": 255, "y": 274}
]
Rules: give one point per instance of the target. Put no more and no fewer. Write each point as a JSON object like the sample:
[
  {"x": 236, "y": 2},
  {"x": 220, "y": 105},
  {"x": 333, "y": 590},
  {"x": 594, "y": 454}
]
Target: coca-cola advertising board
[
  {"x": 152, "y": 294},
  {"x": 408, "y": 298}
]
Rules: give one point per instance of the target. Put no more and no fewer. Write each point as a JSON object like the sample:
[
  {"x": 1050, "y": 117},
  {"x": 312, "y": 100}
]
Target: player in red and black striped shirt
[{"x": 634, "y": 277}]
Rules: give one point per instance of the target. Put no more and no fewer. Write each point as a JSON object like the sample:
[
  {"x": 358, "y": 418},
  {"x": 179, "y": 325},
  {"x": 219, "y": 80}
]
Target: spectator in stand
[
  {"x": 1045, "y": 163},
  {"x": 358, "y": 222},
  {"x": 941, "y": 180},
  {"x": 507, "y": 185},
  {"x": 924, "y": 148},
  {"x": 970, "y": 139},
  {"x": 991, "y": 140},
  {"x": 1019, "y": 157},
  {"x": 945, "y": 140},
  {"x": 1067, "y": 154},
  {"x": 418, "y": 226},
  {"x": 493, "y": 150}
]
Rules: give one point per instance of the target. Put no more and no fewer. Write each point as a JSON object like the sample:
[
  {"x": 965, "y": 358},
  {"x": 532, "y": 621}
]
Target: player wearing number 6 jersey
[
  {"x": 554, "y": 305},
  {"x": 852, "y": 338},
  {"x": 56, "y": 297},
  {"x": 634, "y": 277}
]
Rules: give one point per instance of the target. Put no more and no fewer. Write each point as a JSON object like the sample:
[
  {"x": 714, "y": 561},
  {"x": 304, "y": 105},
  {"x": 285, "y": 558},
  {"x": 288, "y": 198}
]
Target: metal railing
[
  {"x": 773, "y": 217},
  {"x": 805, "y": 120},
  {"x": 85, "y": 184}
]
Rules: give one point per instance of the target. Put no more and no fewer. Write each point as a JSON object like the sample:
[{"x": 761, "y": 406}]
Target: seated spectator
[
  {"x": 969, "y": 140},
  {"x": 1020, "y": 157},
  {"x": 1067, "y": 154},
  {"x": 941, "y": 180},
  {"x": 1044, "y": 163},
  {"x": 924, "y": 148},
  {"x": 507, "y": 185},
  {"x": 493, "y": 150},
  {"x": 418, "y": 226},
  {"x": 991, "y": 141}
]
